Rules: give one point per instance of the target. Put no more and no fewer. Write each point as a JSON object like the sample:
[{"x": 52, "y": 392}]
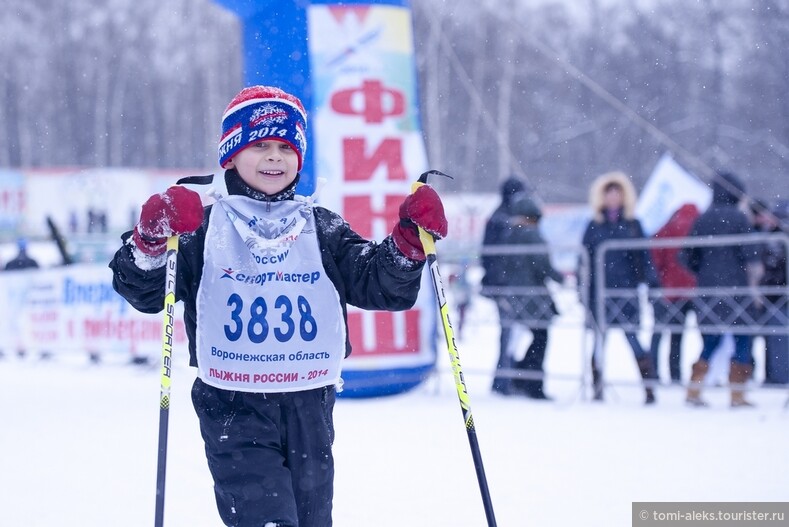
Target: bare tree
[{"x": 553, "y": 91}]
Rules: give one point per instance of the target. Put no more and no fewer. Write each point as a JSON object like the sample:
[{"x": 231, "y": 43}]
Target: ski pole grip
[{"x": 428, "y": 243}]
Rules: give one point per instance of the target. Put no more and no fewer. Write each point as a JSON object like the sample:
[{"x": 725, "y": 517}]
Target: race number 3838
[{"x": 254, "y": 320}]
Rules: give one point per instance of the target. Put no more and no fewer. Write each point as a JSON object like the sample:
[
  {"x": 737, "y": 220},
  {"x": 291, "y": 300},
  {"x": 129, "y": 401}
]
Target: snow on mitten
[
  {"x": 423, "y": 209},
  {"x": 173, "y": 212}
]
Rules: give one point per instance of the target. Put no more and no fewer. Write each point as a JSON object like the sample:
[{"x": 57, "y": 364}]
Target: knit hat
[
  {"x": 510, "y": 187},
  {"x": 727, "y": 188},
  {"x": 262, "y": 112}
]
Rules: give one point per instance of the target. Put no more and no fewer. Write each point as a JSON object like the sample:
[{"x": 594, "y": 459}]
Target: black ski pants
[{"x": 269, "y": 454}]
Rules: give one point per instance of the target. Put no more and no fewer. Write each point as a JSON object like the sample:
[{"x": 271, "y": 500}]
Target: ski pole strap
[{"x": 196, "y": 180}]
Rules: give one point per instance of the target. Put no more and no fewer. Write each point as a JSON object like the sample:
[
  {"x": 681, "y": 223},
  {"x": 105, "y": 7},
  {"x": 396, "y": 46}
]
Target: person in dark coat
[
  {"x": 773, "y": 258},
  {"x": 528, "y": 303},
  {"x": 673, "y": 309},
  {"x": 265, "y": 277},
  {"x": 495, "y": 276},
  {"x": 496, "y": 229},
  {"x": 22, "y": 260},
  {"x": 612, "y": 199},
  {"x": 735, "y": 265}
]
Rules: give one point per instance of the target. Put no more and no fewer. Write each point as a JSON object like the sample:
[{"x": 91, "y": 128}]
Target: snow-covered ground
[{"x": 78, "y": 446}]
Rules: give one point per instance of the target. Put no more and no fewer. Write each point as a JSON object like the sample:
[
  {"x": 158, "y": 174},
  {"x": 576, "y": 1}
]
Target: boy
[{"x": 265, "y": 278}]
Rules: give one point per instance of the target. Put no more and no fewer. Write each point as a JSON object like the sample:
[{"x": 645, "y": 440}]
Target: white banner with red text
[
  {"x": 75, "y": 309},
  {"x": 369, "y": 148}
]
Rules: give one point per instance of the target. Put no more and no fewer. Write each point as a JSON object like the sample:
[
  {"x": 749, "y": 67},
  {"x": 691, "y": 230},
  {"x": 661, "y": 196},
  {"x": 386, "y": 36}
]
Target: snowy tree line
[
  {"x": 554, "y": 91},
  {"x": 562, "y": 91},
  {"x": 115, "y": 83}
]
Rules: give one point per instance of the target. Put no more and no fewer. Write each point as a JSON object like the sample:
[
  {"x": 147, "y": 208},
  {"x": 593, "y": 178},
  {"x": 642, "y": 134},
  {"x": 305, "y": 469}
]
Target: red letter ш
[{"x": 384, "y": 328}]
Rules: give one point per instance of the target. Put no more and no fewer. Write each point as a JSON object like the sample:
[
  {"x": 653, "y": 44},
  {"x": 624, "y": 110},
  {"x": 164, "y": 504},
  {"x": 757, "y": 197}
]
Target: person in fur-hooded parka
[{"x": 612, "y": 199}]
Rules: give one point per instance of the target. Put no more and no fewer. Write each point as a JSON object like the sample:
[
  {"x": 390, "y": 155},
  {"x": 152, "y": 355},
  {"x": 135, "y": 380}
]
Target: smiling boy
[{"x": 266, "y": 277}]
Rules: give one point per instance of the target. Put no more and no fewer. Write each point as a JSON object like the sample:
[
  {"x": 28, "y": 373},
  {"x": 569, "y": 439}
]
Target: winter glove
[
  {"x": 176, "y": 211},
  {"x": 423, "y": 209}
]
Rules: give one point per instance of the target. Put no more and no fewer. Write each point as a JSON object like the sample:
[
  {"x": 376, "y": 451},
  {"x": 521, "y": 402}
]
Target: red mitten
[
  {"x": 424, "y": 209},
  {"x": 176, "y": 211}
]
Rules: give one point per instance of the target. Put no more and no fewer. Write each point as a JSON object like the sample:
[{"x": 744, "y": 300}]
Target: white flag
[{"x": 668, "y": 188}]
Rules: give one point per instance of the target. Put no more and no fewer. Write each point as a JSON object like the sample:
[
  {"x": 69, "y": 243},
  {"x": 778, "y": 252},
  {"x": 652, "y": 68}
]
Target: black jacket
[
  {"x": 496, "y": 230},
  {"x": 365, "y": 273},
  {"x": 623, "y": 268},
  {"x": 721, "y": 265},
  {"x": 528, "y": 270}
]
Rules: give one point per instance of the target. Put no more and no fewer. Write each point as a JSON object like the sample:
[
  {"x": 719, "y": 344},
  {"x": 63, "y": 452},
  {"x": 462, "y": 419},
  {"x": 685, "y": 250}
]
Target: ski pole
[
  {"x": 164, "y": 392},
  {"x": 429, "y": 246}
]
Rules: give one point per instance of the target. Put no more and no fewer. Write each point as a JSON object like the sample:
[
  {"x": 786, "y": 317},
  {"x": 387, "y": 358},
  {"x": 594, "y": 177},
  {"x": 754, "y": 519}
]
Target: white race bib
[{"x": 268, "y": 317}]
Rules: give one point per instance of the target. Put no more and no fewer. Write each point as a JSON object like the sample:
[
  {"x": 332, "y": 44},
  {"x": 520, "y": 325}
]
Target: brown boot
[
  {"x": 647, "y": 369},
  {"x": 698, "y": 372},
  {"x": 738, "y": 376}
]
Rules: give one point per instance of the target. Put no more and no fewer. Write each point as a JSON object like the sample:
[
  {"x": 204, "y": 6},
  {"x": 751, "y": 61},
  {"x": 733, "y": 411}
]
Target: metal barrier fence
[
  {"x": 749, "y": 310},
  {"x": 756, "y": 310},
  {"x": 583, "y": 272}
]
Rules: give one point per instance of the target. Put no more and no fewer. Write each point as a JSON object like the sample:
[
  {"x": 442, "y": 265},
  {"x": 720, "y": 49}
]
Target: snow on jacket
[{"x": 366, "y": 274}]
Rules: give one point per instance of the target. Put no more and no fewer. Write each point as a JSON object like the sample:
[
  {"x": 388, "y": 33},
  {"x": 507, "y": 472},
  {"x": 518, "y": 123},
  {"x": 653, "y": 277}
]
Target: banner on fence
[{"x": 75, "y": 309}]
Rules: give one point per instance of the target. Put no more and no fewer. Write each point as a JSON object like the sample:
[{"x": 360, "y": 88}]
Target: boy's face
[{"x": 267, "y": 166}]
